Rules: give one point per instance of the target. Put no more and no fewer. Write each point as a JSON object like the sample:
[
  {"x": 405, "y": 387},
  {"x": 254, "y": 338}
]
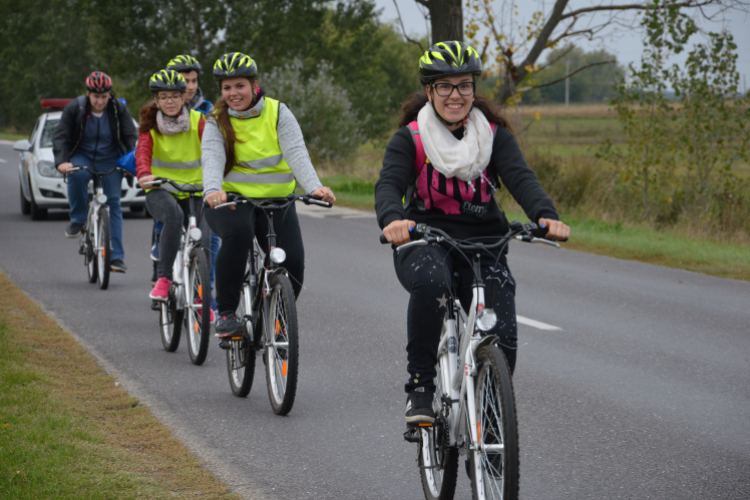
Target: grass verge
[
  {"x": 7, "y": 136},
  {"x": 623, "y": 241},
  {"x": 67, "y": 431}
]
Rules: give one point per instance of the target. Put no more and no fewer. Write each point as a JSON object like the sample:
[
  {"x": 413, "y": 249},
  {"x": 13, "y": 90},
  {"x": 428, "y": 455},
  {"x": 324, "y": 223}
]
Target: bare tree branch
[
  {"x": 565, "y": 53},
  {"x": 633, "y": 6},
  {"x": 426, "y": 3},
  {"x": 526, "y": 89},
  {"x": 400, "y": 20}
]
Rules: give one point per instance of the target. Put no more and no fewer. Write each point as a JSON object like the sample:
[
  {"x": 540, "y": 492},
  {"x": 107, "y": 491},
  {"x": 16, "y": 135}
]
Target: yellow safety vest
[
  {"x": 260, "y": 170},
  {"x": 178, "y": 157}
]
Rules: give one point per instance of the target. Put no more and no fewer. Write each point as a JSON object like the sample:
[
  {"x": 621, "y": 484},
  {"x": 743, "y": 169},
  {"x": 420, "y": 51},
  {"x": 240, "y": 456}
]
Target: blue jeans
[{"x": 78, "y": 198}]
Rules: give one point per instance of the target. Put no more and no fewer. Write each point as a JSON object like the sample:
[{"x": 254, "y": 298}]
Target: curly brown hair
[
  {"x": 148, "y": 118},
  {"x": 417, "y": 101}
]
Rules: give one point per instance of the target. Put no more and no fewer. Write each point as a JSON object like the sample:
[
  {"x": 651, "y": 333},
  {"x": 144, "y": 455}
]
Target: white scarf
[
  {"x": 464, "y": 158},
  {"x": 171, "y": 125}
]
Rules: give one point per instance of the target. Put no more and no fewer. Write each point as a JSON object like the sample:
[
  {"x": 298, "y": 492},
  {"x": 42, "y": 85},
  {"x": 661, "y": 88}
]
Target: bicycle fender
[{"x": 488, "y": 340}]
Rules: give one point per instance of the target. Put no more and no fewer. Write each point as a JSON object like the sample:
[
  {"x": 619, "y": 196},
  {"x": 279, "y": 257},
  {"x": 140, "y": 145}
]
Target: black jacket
[
  {"x": 68, "y": 132},
  {"x": 481, "y": 218}
]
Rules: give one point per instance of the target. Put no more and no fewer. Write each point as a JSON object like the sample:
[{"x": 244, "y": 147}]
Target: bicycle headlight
[
  {"x": 47, "y": 169},
  {"x": 486, "y": 319},
  {"x": 101, "y": 198},
  {"x": 195, "y": 234},
  {"x": 277, "y": 255}
]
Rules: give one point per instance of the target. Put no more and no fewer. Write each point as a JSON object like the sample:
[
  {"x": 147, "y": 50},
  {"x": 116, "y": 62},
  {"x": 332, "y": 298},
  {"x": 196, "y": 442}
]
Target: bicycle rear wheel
[
  {"x": 438, "y": 462},
  {"x": 241, "y": 353},
  {"x": 102, "y": 249},
  {"x": 494, "y": 468},
  {"x": 170, "y": 325},
  {"x": 89, "y": 253},
  {"x": 199, "y": 305},
  {"x": 281, "y": 349}
]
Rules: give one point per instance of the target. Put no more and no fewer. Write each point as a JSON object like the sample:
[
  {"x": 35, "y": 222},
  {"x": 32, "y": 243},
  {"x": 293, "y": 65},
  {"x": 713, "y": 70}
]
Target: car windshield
[{"x": 49, "y": 129}]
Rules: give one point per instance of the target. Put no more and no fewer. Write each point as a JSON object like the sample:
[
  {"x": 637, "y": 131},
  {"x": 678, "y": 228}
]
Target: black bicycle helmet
[
  {"x": 184, "y": 62},
  {"x": 98, "y": 82},
  {"x": 167, "y": 79},
  {"x": 235, "y": 64},
  {"x": 448, "y": 59}
]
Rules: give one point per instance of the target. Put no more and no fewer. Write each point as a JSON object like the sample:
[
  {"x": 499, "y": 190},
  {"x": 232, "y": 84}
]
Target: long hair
[
  {"x": 417, "y": 101},
  {"x": 148, "y": 118},
  {"x": 221, "y": 113}
]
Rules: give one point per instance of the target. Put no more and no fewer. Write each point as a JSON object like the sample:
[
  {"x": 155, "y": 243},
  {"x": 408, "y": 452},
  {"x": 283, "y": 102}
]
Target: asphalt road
[{"x": 642, "y": 392}]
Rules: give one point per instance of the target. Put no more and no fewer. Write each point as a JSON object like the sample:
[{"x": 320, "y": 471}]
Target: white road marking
[
  {"x": 536, "y": 324},
  {"x": 9, "y": 143},
  {"x": 3, "y": 161},
  {"x": 343, "y": 212}
]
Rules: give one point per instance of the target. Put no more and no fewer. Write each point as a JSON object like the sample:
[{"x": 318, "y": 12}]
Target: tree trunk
[{"x": 446, "y": 20}]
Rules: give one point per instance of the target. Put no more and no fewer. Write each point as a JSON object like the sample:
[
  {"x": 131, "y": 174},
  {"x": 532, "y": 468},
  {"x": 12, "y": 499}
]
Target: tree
[{"x": 511, "y": 50}]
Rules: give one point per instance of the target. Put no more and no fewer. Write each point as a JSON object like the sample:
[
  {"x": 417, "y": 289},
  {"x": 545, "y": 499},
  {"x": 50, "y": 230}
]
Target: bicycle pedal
[
  {"x": 411, "y": 435},
  {"x": 225, "y": 343},
  {"x": 155, "y": 305}
]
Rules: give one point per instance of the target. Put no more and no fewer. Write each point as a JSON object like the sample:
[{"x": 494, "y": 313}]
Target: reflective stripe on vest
[
  {"x": 178, "y": 157},
  {"x": 260, "y": 170}
]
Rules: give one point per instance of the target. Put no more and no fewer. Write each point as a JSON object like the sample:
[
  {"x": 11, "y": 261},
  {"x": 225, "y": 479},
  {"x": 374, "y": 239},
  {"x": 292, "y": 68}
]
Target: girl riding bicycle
[
  {"x": 169, "y": 146},
  {"x": 253, "y": 146},
  {"x": 446, "y": 161}
]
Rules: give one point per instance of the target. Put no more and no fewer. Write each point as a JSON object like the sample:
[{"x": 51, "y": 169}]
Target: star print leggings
[{"x": 425, "y": 272}]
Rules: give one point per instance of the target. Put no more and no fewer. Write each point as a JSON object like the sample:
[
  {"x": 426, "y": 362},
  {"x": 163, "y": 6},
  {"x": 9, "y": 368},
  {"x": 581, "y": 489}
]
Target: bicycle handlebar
[
  {"x": 76, "y": 168},
  {"x": 423, "y": 235},
  {"x": 185, "y": 188},
  {"x": 233, "y": 199}
]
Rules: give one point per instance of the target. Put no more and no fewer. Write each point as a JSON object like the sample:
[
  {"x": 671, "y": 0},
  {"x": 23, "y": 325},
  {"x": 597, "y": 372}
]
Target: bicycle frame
[{"x": 190, "y": 239}]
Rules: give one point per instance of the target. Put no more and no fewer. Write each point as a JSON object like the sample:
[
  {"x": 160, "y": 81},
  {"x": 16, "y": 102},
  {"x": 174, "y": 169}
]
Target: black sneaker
[
  {"x": 419, "y": 406},
  {"x": 73, "y": 230},
  {"x": 155, "y": 274},
  {"x": 227, "y": 324},
  {"x": 118, "y": 266}
]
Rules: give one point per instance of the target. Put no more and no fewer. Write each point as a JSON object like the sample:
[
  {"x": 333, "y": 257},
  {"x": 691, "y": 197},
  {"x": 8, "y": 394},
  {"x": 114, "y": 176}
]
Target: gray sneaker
[
  {"x": 118, "y": 266},
  {"x": 228, "y": 324},
  {"x": 73, "y": 230}
]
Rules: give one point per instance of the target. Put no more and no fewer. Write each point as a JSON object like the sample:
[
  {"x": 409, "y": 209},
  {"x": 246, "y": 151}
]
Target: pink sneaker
[
  {"x": 200, "y": 311},
  {"x": 161, "y": 290}
]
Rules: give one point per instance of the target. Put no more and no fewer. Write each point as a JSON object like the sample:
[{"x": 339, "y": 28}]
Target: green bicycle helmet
[
  {"x": 184, "y": 62},
  {"x": 235, "y": 64},
  {"x": 448, "y": 59},
  {"x": 167, "y": 79}
]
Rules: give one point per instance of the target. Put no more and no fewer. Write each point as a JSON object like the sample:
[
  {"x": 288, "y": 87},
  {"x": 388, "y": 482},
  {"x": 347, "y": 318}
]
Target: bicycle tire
[
  {"x": 282, "y": 363},
  {"x": 438, "y": 462},
  {"x": 103, "y": 249},
  {"x": 241, "y": 353},
  {"x": 170, "y": 325},
  {"x": 198, "y": 319},
  {"x": 89, "y": 255},
  {"x": 496, "y": 418}
]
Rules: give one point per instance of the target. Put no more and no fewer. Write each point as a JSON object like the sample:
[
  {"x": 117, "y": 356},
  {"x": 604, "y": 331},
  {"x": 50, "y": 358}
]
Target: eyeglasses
[
  {"x": 446, "y": 89},
  {"x": 167, "y": 98}
]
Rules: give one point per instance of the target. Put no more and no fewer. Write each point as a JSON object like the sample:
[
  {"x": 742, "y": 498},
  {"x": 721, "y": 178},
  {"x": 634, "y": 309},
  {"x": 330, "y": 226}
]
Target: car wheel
[
  {"x": 25, "y": 205},
  {"x": 37, "y": 213}
]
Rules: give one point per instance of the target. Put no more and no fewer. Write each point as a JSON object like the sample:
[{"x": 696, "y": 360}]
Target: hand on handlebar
[
  {"x": 217, "y": 198},
  {"x": 64, "y": 167},
  {"x": 398, "y": 232},
  {"x": 556, "y": 230},
  {"x": 143, "y": 181},
  {"x": 324, "y": 193}
]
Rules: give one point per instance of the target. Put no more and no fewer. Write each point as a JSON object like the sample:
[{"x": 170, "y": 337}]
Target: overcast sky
[{"x": 626, "y": 45}]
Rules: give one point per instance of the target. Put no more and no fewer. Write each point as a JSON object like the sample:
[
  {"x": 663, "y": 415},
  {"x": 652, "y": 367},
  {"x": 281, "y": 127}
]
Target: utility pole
[{"x": 567, "y": 85}]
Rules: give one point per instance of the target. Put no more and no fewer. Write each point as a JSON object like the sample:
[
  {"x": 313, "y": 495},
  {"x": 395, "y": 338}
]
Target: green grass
[
  {"x": 68, "y": 432},
  {"x": 7, "y": 136}
]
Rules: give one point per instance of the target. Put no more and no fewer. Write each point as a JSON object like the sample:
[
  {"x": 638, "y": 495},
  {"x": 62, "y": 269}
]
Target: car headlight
[{"x": 47, "y": 169}]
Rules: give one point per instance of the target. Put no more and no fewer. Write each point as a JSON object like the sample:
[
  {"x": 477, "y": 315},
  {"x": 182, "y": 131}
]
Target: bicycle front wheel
[
  {"x": 241, "y": 352},
  {"x": 438, "y": 462},
  {"x": 89, "y": 253},
  {"x": 493, "y": 468},
  {"x": 170, "y": 325},
  {"x": 199, "y": 305},
  {"x": 281, "y": 345},
  {"x": 102, "y": 249}
]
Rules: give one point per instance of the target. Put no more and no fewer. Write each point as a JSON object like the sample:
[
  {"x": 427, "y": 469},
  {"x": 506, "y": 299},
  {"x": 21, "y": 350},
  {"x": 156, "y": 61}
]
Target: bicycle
[
  {"x": 268, "y": 311},
  {"x": 187, "y": 301},
  {"x": 94, "y": 244},
  {"x": 474, "y": 401}
]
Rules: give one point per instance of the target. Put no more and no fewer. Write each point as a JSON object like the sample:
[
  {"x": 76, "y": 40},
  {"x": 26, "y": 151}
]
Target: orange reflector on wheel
[
  {"x": 283, "y": 368},
  {"x": 200, "y": 291},
  {"x": 104, "y": 252},
  {"x": 195, "y": 325},
  {"x": 425, "y": 425},
  {"x": 278, "y": 326},
  {"x": 479, "y": 430}
]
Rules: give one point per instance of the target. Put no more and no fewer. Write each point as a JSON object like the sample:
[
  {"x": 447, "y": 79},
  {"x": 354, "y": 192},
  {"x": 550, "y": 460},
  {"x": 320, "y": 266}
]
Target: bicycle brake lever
[{"x": 228, "y": 204}]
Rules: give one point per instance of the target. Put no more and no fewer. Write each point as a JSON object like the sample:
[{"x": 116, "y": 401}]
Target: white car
[{"x": 42, "y": 185}]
